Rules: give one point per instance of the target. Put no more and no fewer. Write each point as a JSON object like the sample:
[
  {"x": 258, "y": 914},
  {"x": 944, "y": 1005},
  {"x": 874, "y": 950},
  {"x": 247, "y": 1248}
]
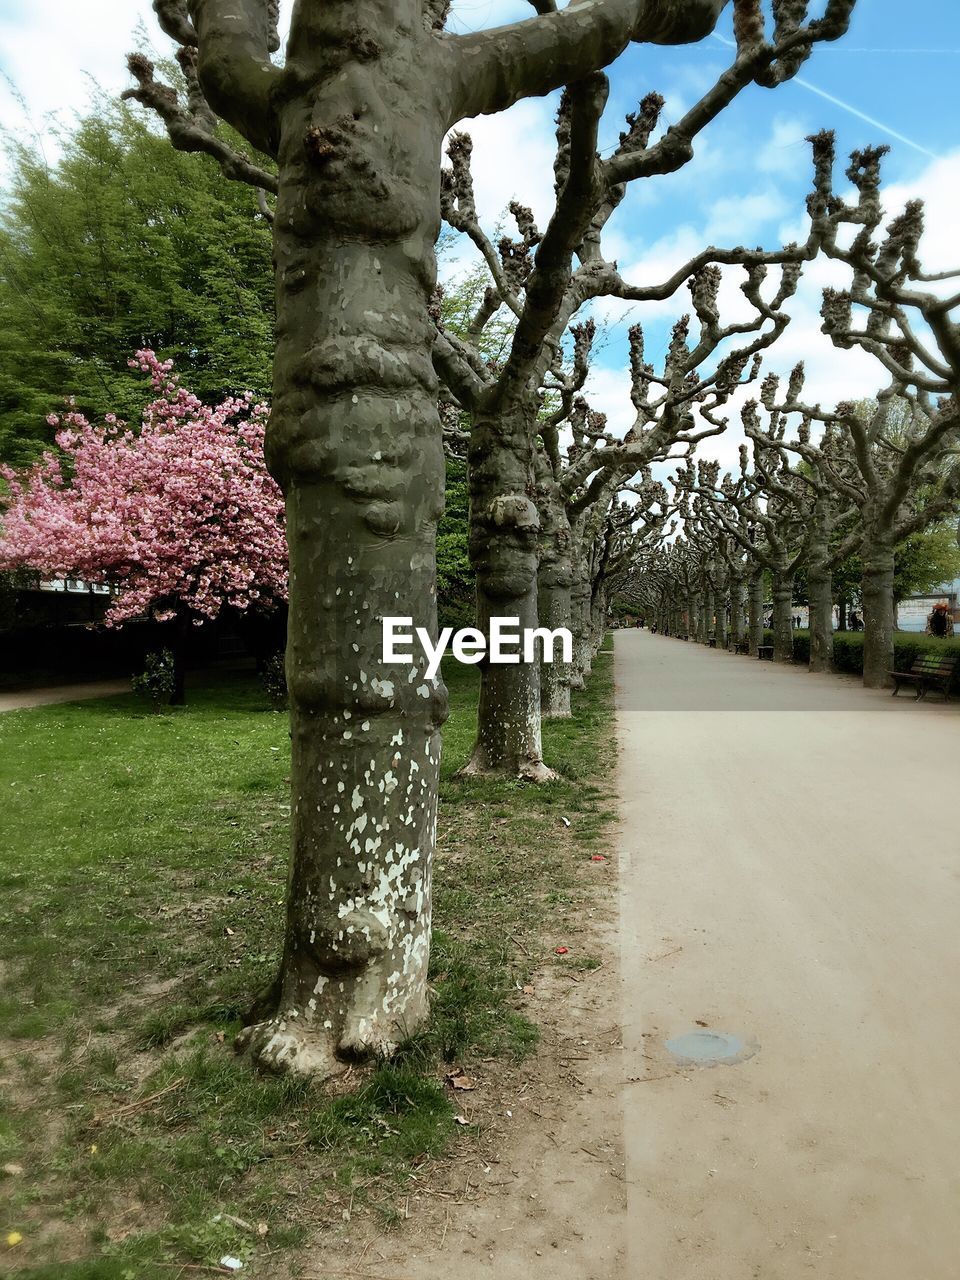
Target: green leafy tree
[{"x": 124, "y": 243}]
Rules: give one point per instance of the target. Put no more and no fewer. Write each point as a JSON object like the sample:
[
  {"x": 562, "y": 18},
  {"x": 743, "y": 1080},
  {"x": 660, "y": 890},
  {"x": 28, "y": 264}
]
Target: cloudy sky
[{"x": 888, "y": 81}]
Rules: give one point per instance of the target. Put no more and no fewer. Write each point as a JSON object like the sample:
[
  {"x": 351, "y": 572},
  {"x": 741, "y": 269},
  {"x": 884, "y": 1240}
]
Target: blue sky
[{"x": 746, "y": 184}]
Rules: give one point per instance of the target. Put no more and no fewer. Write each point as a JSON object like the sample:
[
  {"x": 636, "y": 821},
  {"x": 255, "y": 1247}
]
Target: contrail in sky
[{"x": 846, "y": 106}]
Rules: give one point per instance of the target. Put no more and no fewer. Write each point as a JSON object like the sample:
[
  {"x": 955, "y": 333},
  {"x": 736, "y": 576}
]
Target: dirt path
[
  {"x": 62, "y": 693},
  {"x": 789, "y": 875}
]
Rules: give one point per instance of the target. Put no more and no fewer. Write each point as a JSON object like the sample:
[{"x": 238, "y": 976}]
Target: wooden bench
[
  {"x": 929, "y": 671},
  {"x": 743, "y": 646},
  {"x": 712, "y": 642},
  {"x": 765, "y": 652}
]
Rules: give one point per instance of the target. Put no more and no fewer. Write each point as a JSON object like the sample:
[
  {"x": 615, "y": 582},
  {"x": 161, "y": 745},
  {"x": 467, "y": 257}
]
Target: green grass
[{"x": 142, "y": 867}]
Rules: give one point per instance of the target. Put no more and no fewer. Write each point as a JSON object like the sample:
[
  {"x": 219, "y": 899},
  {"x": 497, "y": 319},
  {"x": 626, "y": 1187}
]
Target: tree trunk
[
  {"x": 554, "y": 611},
  {"x": 878, "y": 613},
  {"x": 706, "y": 628},
  {"x": 842, "y": 614},
  {"x": 755, "y": 608},
  {"x": 580, "y": 598},
  {"x": 720, "y": 626},
  {"x": 782, "y": 617},
  {"x": 181, "y": 632},
  {"x": 554, "y": 582},
  {"x": 820, "y": 603},
  {"x": 503, "y": 533},
  {"x": 736, "y": 611},
  {"x": 354, "y": 439}
]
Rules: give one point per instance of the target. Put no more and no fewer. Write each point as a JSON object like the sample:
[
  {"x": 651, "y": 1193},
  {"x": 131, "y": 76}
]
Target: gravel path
[
  {"x": 790, "y": 875},
  {"x": 62, "y": 693}
]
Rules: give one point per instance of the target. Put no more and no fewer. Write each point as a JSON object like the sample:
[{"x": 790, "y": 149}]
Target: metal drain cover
[{"x": 711, "y": 1048}]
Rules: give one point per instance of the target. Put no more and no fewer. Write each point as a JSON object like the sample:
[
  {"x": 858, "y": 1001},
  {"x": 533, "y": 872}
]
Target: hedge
[{"x": 848, "y": 650}]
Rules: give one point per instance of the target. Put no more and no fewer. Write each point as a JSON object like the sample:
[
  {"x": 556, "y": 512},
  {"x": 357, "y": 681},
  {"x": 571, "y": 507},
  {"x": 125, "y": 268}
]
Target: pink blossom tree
[{"x": 180, "y": 518}]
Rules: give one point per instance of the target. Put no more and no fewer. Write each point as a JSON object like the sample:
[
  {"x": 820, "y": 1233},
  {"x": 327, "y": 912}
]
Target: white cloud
[
  {"x": 513, "y": 159},
  {"x": 52, "y": 52},
  {"x": 787, "y": 149}
]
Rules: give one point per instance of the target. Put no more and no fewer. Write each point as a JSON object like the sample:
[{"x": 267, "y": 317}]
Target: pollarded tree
[
  {"x": 700, "y": 372},
  {"x": 820, "y": 504},
  {"x": 760, "y": 509},
  {"x": 897, "y": 467},
  {"x": 180, "y": 518},
  {"x": 544, "y": 279},
  {"x": 629, "y": 529},
  {"x": 889, "y": 466},
  {"x": 355, "y": 119}
]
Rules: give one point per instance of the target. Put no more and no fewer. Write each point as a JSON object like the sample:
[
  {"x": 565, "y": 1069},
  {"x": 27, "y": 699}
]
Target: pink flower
[{"x": 180, "y": 516}]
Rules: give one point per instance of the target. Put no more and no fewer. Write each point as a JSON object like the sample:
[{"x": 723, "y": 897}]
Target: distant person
[
  {"x": 940, "y": 623},
  {"x": 856, "y": 622}
]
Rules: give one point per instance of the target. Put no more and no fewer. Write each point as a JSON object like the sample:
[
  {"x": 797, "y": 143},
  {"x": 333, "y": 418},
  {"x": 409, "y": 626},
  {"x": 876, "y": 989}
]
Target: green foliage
[
  {"x": 907, "y": 646},
  {"x": 124, "y": 243},
  {"x": 158, "y": 679},
  {"x": 848, "y": 650},
  {"x": 455, "y": 579},
  {"x": 273, "y": 677},
  {"x": 925, "y": 561}
]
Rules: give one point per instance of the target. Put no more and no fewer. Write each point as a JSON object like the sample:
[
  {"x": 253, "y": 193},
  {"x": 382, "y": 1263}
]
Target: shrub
[
  {"x": 801, "y": 647},
  {"x": 848, "y": 652},
  {"x": 157, "y": 681},
  {"x": 907, "y": 647},
  {"x": 273, "y": 676}
]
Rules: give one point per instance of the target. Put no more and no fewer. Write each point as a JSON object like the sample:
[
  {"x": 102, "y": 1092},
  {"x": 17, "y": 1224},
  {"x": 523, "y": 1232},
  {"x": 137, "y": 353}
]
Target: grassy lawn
[{"x": 142, "y": 866}]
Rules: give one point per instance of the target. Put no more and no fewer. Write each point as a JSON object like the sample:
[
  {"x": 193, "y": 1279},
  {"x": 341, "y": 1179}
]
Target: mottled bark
[
  {"x": 820, "y": 604},
  {"x": 879, "y": 612},
  {"x": 782, "y": 617},
  {"x": 707, "y": 623},
  {"x": 691, "y": 622},
  {"x": 555, "y": 677},
  {"x": 755, "y": 608},
  {"x": 720, "y": 625},
  {"x": 580, "y": 618},
  {"x": 554, "y": 583},
  {"x": 354, "y": 439},
  {"x": 736, "y": 610},
  {"x": 504, "y": 528},
  {"x": 355, "y": 120}
]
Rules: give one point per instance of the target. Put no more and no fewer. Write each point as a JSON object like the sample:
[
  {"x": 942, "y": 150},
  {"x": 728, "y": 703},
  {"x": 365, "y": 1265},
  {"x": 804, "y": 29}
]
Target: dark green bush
[
  {"x": 273, "y": 677},
  {"x": 158, "y": 679},
  {"x": 848, "y": 650},
  {"x": 801, "y": 647}
]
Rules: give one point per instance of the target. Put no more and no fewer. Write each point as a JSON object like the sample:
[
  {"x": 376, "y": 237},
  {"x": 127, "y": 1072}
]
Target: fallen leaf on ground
[
  {"x": 528, "y": 991},
  {"x": 13, "y": 1170},
  {"x": 562, "y": 951},
  {"x": 597, "y": 857},
  {"x": 460, "y": 1120},
  {"x": 464, "y": 1083},
  {"x": 13, "y": 1238}
]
